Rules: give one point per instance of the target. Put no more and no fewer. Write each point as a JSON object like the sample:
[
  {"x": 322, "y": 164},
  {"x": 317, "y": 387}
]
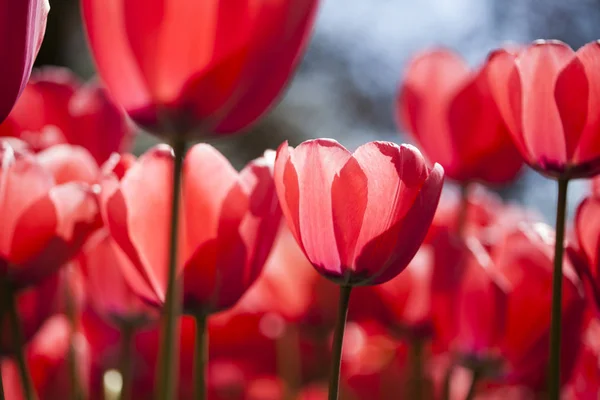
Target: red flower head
[
  {"x": 182, "y": 65},
  {"x": 549, "y": 97},
  {"x": 43, "y": 224},
  {"x": 229, "y": 223},
  {"x": 24, "y": 25},
  {"x": 57, "y": 108},
  {"x": 359, "y": 217},
  {"x": 449, "y": 110}
]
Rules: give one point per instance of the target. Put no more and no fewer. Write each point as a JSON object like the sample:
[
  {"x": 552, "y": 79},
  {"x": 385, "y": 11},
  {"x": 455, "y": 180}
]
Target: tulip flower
[
  {"x": 230, "y": 220},
  {"x": 449, "y": 110},
  {"x": 188, "y": 68},
  {"x": 547, "y": 95},
  {"x": 370, "y": 239},
  {"x": 56, "y": 108},
  {"x": 24, "y": 25}
]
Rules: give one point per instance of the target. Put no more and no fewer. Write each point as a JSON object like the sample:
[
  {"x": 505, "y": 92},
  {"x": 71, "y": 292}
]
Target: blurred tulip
[
  {"x": 230, "y": 220},
  {"x": 175, "y": 74},
  {"x": 44, "y": 225},
  {"x": 587, "y": 229},
  {"x": 585, "y": 382},
  {"x": 449, "y": 110},
  {"x": 371, "y": 239},
  {"x": 24, "y": 25},
  {"x": 34, "y": 306},
  {"x": 69, "y": 163},
  {"x": 548, "y": 96},
  {"x": 48, "y": 361},
  {"x": 56, "y": 108}
]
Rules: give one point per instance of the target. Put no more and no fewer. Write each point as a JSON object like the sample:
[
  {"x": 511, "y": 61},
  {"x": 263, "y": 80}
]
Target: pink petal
[
  {"x": 288, "y": 192},
  {"x": 539, "y": 67},
  {"x": 208, "y": 177},
  {"x": 317, "y": 162},
  {"x": 69, "y": 164}
]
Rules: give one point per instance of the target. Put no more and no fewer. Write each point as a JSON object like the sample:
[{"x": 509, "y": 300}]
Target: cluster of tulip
[{"x": 115, "y": 271}]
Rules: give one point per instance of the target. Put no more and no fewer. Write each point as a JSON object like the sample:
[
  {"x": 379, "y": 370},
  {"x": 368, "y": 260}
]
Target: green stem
[
  {"x": 17, "y": 336},
  {"x": 554, "y": 373},
  {"x": 201, "y": 356},
  {"x": 463, "y": 209},
  {"x": 418, "y": 371},
  {"x": 168, "y": 362},
  {"x": 338, "y": 340},
  {"x": 288, "y": 361},
  {"x": 474, "y": 381},
  {"x": 71, "y": 356},
  {"x": 126, "y": 359}
]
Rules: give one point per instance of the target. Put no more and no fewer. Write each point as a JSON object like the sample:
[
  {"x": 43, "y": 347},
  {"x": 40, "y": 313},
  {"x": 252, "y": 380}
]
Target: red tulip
[
  {"x": 57, "y": 108},
  {"x": 587, "y": 229},
  {"x": 24, "y": 24},
  {"x": 548, "y": 96},
  {"x": 449, "y": 110},
  {"x": 229, "y": 224},
  {"x": 47, "y": 358},
  {"x": 585, "y": 382},
  {"x": 69, "y": 163},
  {"x": 373, "y": 237},
  {"x": 34, "y": 306},
  {"x": 180, "y": 66},
  {"x": 43, "y": 225}
]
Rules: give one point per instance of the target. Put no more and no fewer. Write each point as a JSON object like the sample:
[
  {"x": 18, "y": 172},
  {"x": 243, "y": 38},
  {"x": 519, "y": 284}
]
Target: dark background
[{"x": 346, "y": 85}]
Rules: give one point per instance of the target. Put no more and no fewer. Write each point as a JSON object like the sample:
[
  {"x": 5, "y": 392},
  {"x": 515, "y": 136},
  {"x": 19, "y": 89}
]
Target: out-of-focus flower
[
  {"x": 56, "y": 108},
  {"x": 43, "y": 224},
  {"x": 183, "y": 67},
  {"x": 47, "y": 359},
  {"x": 585, "y": 381},
  {"x": 24, "y": 24},
  {"x": 548, "y": 95},
  {"x": 372, "y": 238},
  {"x": 451, "y": 113},
  {"x": 230, "y": 220}
]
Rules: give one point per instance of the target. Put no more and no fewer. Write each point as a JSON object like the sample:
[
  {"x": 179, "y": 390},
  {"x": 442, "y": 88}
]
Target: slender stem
[
  {"x": 200, "y": 356},
  {"x": 463, "y": 209},
  {"x": 1, "y": 387},
  {"x": 418, "y": 373},
  {"x": 72, "y": 356},
  {"x": 447, "y": 383},
  {"x": 126, "y": 358},
  {"x": 168, "y": 364},
  {"x": 554, "y": 374},
  {"x": 288, "y": 361},
  {"x": 17, "y": 336},
  {"x": 474, "y": 381},
  {"x": 338, "y": 340}
]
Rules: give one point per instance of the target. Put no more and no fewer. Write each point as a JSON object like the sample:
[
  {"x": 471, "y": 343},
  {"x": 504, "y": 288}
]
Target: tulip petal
[
  {"x": 539, "y": 67},
  {"x": 317, "y": 162},
  {"x": 288, "y": 192},
  {"x": 69, "y": 164}
]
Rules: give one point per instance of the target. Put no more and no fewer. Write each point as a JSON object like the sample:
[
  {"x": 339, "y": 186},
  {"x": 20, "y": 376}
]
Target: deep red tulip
[
  {"x": 43, "y": 224},
  {"x": 585, "y": 382},
  {"x": 548, "y": 96},
  {"x": 230, "y": 220},
  {"x": 449, "y": 110},
  {"x": 372, "y": 238},
  {"x": 24, "y": 24},
  {"x": 587, "y": 261},
  {"x": 47, "y": 359},
  {"x": 57, "y": 108},
  {"x": 34, "y": 306},
  {"x": 210, "y": 66}
]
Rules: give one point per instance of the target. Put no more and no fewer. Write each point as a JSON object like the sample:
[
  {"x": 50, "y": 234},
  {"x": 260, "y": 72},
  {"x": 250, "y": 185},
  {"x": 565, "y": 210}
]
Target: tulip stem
[
  {"x": 474, "y": 381},
  {"x": 338, "y": 340},
  {"x": 126, "y": 358},
  {"x": 1, "y": 387},
  {"x": 168, "y": 365},
  {"x": 19, "y": 347},
  {"x": 446, "y": 384},
  {"x": 418, "y": 373},
  {"x": 463, "y": 209},
  {"x": 288, "y": 361},
  {"x": 200, "y": 356},
  {"x": 72, "y": 356},
  {"x": 554, "y": 373}
]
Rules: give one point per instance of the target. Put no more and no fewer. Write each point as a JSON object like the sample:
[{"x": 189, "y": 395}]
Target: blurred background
[{"x": 346, "y": 85}]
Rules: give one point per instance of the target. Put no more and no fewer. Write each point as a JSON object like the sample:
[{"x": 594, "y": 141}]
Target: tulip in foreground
[
  {"x": 449, "y": 110},
  {"x": 548, "y": 95},
  {"x": 229, "y": 223},
  {"x": 24, "y": 26},
  {"x": 358, "y": 217}
]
